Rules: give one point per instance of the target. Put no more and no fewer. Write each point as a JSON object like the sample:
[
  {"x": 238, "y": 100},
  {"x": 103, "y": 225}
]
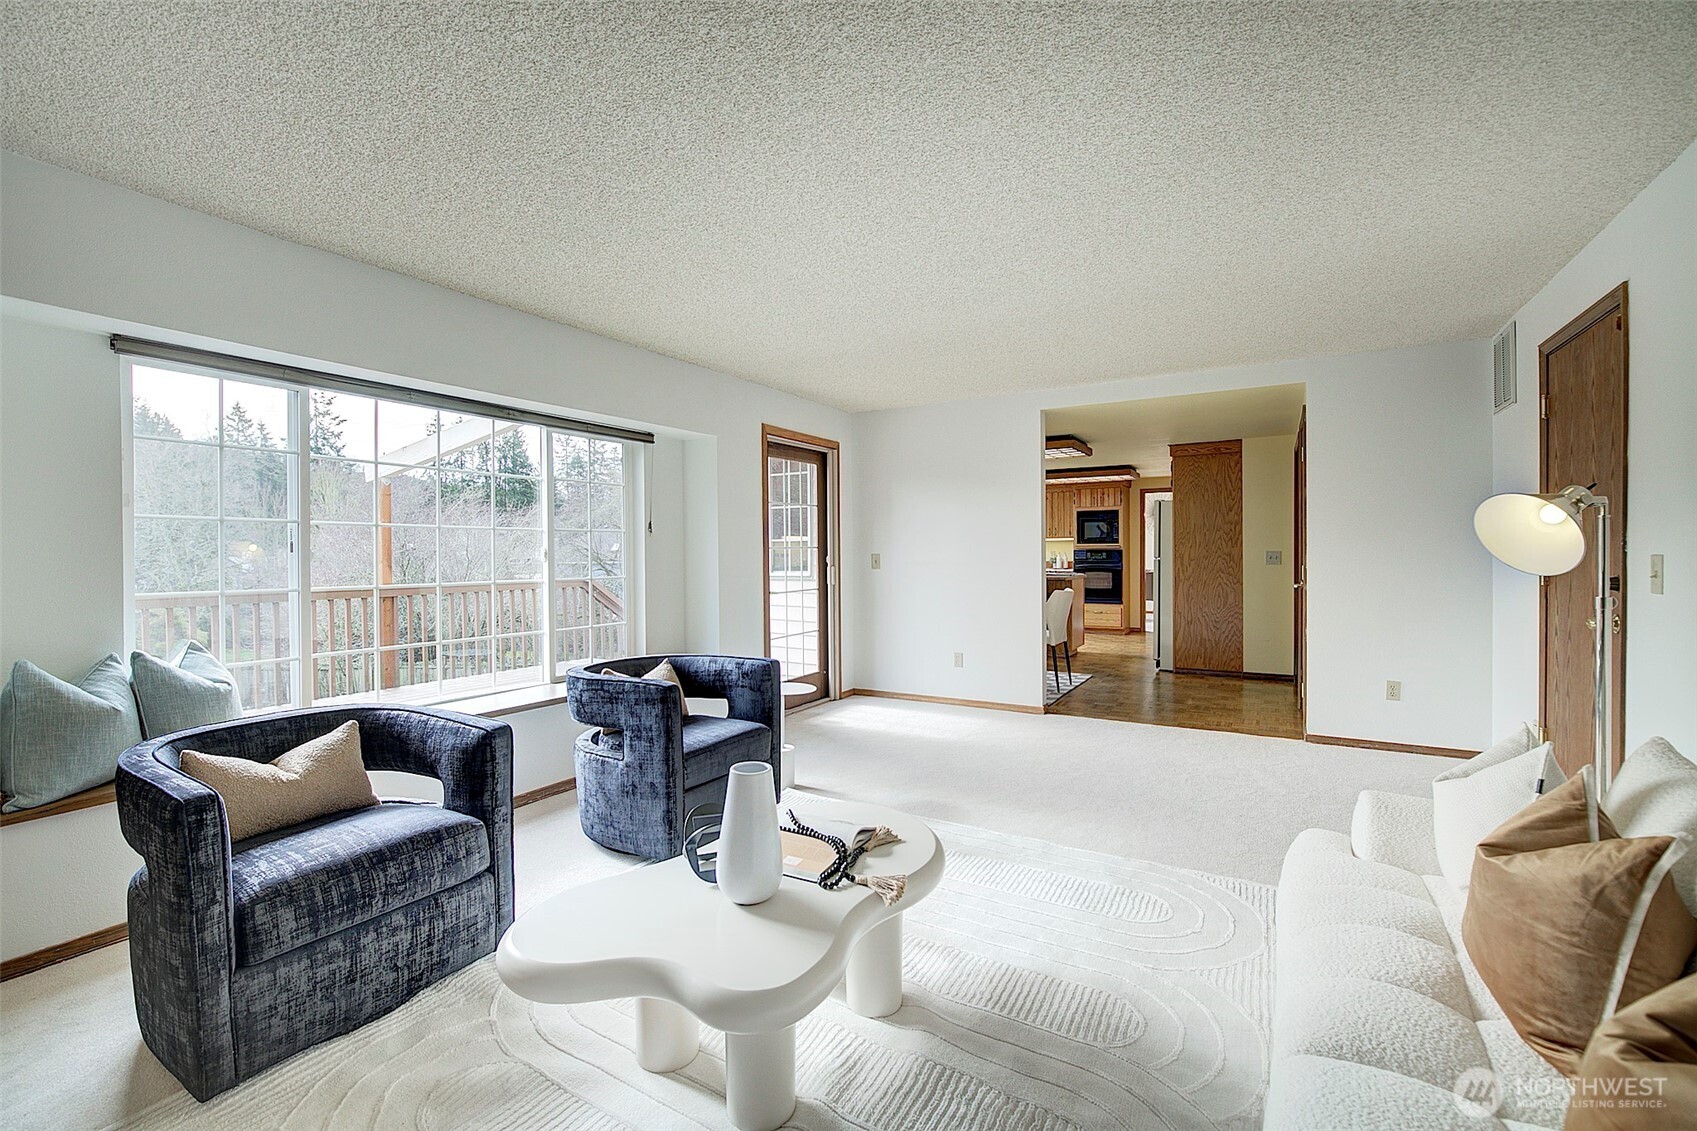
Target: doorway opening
[
  {"x": 799, "y": 489},
  {"x": 1196, "y": 622}
]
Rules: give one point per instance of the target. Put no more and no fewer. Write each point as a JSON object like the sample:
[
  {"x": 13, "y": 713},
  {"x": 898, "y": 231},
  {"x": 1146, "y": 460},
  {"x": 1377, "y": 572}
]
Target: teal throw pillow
[
  {"x": 191, "y": 690},
  {"x": 59, "y": 738}
]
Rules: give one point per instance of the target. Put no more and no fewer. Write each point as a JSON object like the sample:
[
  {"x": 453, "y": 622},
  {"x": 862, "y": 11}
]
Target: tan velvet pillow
[
  {"x": 1640, "y": 1070},
  {"x": 315, "y": 779},
  {"x": 1567, "y": 921},
  {"x": 661, "y": 671}
]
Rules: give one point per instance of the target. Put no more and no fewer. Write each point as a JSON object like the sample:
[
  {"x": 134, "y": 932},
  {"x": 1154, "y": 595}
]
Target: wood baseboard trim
[
  {"x": 61, "y": 952},
  {"x": 1267, "y": 677},
  {"x": 983, "y": 704},
  {"x": 1398, "y": 747},
  {"x": 106, "y": 936},
  {"x": 543, "y": 792}
]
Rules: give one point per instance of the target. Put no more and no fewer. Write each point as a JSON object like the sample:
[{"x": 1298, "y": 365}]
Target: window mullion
[
  {"x": 306, "y": 665},
  {"x": 221, "y": 608},
  {"x": 636, "y": 547},
  {"x": 550, "y": 587}
]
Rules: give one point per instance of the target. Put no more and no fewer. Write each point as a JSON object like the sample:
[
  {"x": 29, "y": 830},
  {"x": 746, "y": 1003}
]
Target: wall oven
[
  {"x": 1098, "y": 528},
  {"x": 1104, "y": 575}
]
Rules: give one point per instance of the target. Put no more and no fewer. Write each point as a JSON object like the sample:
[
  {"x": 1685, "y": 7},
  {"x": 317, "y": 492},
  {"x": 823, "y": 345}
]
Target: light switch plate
[
  {"x": 1655, "y": 573},
  {"x": 877, "y": 561},
  {"x": 1275, "y": 557}
]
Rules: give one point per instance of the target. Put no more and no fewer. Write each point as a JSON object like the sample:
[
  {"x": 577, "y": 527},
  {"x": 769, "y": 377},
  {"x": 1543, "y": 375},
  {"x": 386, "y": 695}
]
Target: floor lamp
[{"x": 1543, "y": 535}]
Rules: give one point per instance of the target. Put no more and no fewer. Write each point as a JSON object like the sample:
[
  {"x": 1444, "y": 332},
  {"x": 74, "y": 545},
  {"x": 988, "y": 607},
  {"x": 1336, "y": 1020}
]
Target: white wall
[
  {"x": 99, "y": 258},
  {"x": 1652, "y": 246},
  {"x": 1269, "y": 523},
  {"x": 951, "y": 498},
  {"x": 84, "y": 259},
  {"x": 1398, "y": 456}
]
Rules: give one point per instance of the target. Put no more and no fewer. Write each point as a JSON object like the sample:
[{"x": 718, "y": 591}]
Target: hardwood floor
[{"x": 1126, "y": 687}]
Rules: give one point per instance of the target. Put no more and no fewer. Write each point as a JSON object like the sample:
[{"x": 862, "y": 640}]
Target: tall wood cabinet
[{"x": 1208, "y": 556}]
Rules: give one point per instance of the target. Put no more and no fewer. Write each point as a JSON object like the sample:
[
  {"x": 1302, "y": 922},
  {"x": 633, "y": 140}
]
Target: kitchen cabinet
[
  {"x": 1059, "y": 506},
  {"x": 1101, "y": 496},
  {"x": 1109, "y": 618}
]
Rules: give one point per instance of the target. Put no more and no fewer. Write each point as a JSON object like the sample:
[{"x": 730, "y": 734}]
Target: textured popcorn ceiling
[{"x": 886, "y": 205}]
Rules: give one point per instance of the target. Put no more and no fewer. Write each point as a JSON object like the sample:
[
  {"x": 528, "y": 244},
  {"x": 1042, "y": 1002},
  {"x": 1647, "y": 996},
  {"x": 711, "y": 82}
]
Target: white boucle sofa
[{"x": 1377, "y": 1011}]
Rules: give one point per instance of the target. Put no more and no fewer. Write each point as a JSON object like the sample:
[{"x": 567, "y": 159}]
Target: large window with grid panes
[{"x": 334, "y": 547}]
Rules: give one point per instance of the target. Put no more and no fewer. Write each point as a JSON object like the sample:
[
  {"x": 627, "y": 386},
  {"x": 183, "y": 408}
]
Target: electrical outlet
[
  {"x": 1275, "y": 557},
  {"x": 877, "y": 561},
  {"x": 1393, "y": 690},
  {"x": 960, "y": 659}
]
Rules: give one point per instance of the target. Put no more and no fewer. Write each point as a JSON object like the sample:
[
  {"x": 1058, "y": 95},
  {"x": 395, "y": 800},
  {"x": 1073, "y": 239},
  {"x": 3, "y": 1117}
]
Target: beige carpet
[
  {"x": 1171, "y": 1035},
  {"x": 1225, "y": 803},
  {"x": 1047, "y": 988}
]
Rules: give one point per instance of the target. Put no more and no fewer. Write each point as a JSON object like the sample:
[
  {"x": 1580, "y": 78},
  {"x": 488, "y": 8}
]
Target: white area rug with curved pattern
[{"x": 1047, "y": 988}]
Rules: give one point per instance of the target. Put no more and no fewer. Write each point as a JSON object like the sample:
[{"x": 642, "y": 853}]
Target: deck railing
[{"x": 476, "y": 629}]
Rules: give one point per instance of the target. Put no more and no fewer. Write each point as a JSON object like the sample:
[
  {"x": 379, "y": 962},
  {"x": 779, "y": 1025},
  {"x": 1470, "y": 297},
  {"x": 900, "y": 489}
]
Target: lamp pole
[{"x": 1603, "y": 676}]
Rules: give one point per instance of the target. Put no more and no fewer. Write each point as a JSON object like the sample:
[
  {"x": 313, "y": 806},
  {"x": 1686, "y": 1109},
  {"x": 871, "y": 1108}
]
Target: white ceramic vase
[{"x": 750, "y": 861}]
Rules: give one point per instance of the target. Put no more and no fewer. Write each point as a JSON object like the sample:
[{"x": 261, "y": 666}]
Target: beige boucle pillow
[{"x": 316, "y": 778}]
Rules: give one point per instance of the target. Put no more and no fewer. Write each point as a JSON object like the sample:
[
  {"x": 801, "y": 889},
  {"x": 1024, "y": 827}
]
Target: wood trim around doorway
[
  {"x": 831, "y": 450},
  {"x": 1143, "y": 494}
]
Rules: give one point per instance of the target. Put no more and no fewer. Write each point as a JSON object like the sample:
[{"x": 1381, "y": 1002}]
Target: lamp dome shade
[{"x": 1530, "y": 533}]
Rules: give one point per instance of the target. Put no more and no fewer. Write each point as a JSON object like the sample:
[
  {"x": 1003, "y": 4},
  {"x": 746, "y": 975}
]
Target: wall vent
[{"x": 1502, "y": 369}]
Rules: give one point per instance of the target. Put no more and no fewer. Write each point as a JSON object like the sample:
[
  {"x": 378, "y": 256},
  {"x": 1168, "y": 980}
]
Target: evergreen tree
[
  {"x": 325, "y": 432},
  {"x": 151, "y": 422}
]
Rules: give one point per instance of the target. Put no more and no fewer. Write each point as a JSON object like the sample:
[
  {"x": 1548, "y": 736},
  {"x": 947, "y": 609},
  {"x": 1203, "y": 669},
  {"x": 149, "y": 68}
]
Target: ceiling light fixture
[
  {"x": 1118, "y": 473},
  {"x": 1064, "y": 447}
]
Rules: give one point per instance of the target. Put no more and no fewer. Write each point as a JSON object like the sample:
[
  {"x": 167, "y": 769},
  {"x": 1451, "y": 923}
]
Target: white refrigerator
[{"x": 1164, "y": 585}]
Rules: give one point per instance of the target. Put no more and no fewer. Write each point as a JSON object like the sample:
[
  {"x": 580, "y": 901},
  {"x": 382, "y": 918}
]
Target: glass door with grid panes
[{"x": 798, "y": 591}]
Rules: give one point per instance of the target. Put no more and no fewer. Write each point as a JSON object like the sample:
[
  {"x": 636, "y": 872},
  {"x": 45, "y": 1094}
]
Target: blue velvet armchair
[
  {"x": 244, "y": 954},
  {"x": 644, "y": 765}
]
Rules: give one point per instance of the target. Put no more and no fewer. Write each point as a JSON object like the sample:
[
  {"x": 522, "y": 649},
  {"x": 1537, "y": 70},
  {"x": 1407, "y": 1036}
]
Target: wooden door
[
  {"x": 1208, "y": 556},
  {"x": 1299, "y": 570},
  {"x": 799, "y": 528},
  {"x": 1582, "y": 400}
]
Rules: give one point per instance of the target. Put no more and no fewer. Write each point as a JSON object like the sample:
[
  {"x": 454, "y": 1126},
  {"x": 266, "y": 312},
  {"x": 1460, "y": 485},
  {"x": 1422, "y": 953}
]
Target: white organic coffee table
[{"x": 685, "y": 952}]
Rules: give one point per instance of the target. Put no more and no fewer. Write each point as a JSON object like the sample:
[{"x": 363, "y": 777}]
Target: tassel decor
[{"x": 889, "y": 888}]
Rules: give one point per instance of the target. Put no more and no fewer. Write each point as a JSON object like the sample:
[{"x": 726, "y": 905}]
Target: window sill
[
  {"x": 87, "y": 799},
  {"x": 487, "y": 706},
  {"x": 508, "y": 702}
]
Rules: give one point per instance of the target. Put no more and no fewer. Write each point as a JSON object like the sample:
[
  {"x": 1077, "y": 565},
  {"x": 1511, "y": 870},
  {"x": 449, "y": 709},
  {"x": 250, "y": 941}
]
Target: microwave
[{"x": 1098, "y": 528}]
